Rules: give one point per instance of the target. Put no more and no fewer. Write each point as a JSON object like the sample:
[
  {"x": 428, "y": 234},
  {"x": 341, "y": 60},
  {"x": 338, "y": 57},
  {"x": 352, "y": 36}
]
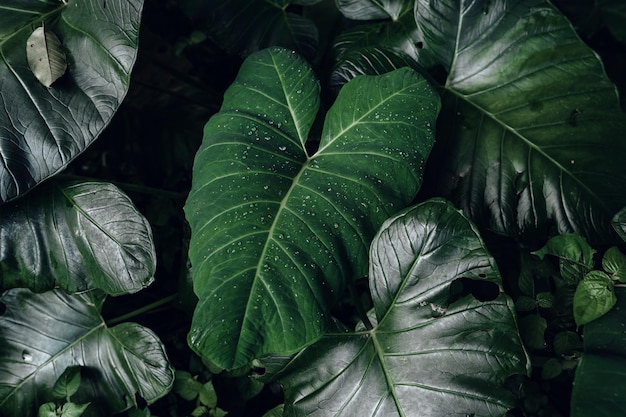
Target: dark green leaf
[
  {"x": 593, "y": 298},
  {"x": 186, "y": 385},
  {"x": 614, "y": 262},
  {"x": 275, "y": 412},
  {"x": 45, "y": 56},
  {"x": 207, "y": 395},
  {"x": 67, "y": 384},
  {"x": 566, "y": 342},
  {"x": 374, "y": 9},
  {"x": 599, "y": 382},
  {"x": 70, "y": 409},
  {"x": 429, "y": 354},
  {"x": 574, "y": 253},
  {"x": 43, "y": 334},
  {"x": 277, "y": 233},
  {"x": 525, "y": 303},
  {"x": 614, "y": 14},
  {"x": 47, "y": 410},
  {"x": 43, "y": 129},
  {"x": 76, "y": 236},
  {"x": 531, "y": 132},
  {"x": 545, "y": 299},
  {"x": 532, "y": 328},
  {"x": 246, "y": 26},
  {"x": 551, "y": 369}
]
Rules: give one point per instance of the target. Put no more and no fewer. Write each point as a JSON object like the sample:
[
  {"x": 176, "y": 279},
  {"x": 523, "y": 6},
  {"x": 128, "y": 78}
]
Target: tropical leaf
[
  {"x": 277, "y": 233},
  {"x": 44, "y": 334},
  {"x": 76, "y": 236},
  {"x": 374, "y": 9},
  {"x": 599, "y": 380},
  {"x": 614, "y": 14},
  {"x": 43, "y": 129},
  {"x": 533, "y": 130},
  {"x": 246, "y": 26},
  {"x": 430, "y": 352}
]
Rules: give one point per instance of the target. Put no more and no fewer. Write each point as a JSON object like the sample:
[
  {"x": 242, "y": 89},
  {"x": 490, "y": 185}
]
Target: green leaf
[
  {"x": 574, "y": 253},
  {"x": 614, "y": 14},
  {"x": 593, "y": 298},
  {"x": 525, "y": 303},
  {"x": 47, "y": 410},
  {"x": 278, "y": 233},
  {"x": 545, "y": 299},
  {"x": 551, "y": 369},
  {"x": 275, "y": 412},
  {"x": 599, "y": 382},
  {"x": 566, "y": 342},
  {"x": 614, "y": 262},
  {"x": 70, "y": 409},
  {"x": 45, "y": 56},
  {"x": 43, "y": 129},
  {"x": 374, "y": 9},
  {"x": 415, "y": 362},
  {"x": 207, "y": 395},
  {"x": 247, "y": 26},
  {"x": 531, "y": 132},
  {"x": 186, "y": 385},
  {"x": 67, "y": 384},
  {"x": 43, "y": 334},
  {"x": 76, "y": 236}
]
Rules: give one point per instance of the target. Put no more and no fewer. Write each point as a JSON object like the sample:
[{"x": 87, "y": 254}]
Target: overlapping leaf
[
  {"x": 374, "y": 9},
  {"x": 432, "y": 352},
  {"x": 76, "y": 236},
  {"x": 276, "y": 232},
  {"x": 533, "y": 136},
  {"x": 42, "y": 129},
  {"x": 44, "y": 334}
]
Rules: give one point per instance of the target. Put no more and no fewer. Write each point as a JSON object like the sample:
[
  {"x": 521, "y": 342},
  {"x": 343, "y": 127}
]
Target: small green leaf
[
  {"x": 574, "y": 253},
  {"x": 614, "y": 262},
  {"x": 47, "y": 410},
  {"x": 67, "y": 384},
  {"x": 275, "y": 412},
  {"x": 545, "y": 299},
  {"x": 593, "y": 298},
  {"x": 201, "y": 411},
  {"x": 186, "y": 385},
  {"x": 45, "y": 56},
  {"x": 566, "y": 342},
  {"x": 208, "y": 396},
  {"x": 532, "y": 329},
  {"x": 73, "y": 410},
  {"x": 551, "y": 369},
  {"x": 218, "y": 412}
]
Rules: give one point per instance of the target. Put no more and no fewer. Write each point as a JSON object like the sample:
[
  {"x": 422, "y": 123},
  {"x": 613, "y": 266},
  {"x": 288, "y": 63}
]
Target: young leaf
[
  {"x": 531, "y": 133},
  {"x": 186, "y": 385},
  {"x": 565, "y": 342},
  {"x": 78, "y": 236},
  {"x": 45, "y": 333},
  {"x": 47, "y": 410},
  {"x": 532, "y": 329},
  {"x": 574, "y": 253},
  {"x": 614, "y": 262},
  {"x": 594, "y": 297},
  {"x": 277, "y": 233},
  {"x": 67, "y": 384},
  {"x": 71, "y": 409},
  {"x": 44, "y": 129},
  {"x": 412, "y": 362},
  {"x": 45, "y": 56}
]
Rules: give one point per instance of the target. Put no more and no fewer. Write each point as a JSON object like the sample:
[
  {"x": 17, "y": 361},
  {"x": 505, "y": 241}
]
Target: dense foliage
[{"x": 312, "y": 208}]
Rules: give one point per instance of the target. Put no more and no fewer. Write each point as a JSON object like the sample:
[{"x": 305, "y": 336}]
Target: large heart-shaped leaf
[
  {"x": 43, "y": 334},
  {"x": 600, "y": 376},
  {"x": 277, "y": 233},
  {"x": 42, "y": 129},
  {"x": 76, "y": 236},
  {"x": 246, "y": 26},
  {"x": 432, "y": 351},
  {"x": 533, "y": 133}
]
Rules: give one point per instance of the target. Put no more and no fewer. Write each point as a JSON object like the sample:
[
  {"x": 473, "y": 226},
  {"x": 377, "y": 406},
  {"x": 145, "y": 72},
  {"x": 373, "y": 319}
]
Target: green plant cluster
[{"x": 312, "y": 208}]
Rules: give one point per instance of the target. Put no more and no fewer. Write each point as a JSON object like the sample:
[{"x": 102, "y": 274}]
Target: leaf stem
[{"x": 142, "y": 310}]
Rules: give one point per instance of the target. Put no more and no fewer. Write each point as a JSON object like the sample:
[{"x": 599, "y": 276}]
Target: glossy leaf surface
[
  {"x": 373, "y": 9},
  {"x": 432, "y": 351},
  {"x": 599, "y": 382},
  {"x": 533, "y": 130},
  {"x": 246, "y": 26},
  {"x": 42, "y": 129},
  {"x": 593, "y": 298},
  {"x": 43, "y": 334},
  {"x": 75, "y": 236},
  {"x": 277, "y": 233},
  {"x": 45, "y": 56}
]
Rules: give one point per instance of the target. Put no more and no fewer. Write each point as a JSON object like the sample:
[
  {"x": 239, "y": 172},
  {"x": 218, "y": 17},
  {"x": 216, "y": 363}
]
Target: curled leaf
[{"x": 45, "y": 56}]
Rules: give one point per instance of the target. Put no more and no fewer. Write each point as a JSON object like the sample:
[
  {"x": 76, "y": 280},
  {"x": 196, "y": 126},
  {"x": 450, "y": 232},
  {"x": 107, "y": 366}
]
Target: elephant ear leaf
[
  {"x": 45, "y": 334},
  {"x": 61, "y": 84},
  {"x": 45, "y": 56},
  {"x": 278, "y": 233},
  {"x": 434, "y": 349},
  {"x": 76, "y": 236},
  {"x": 533, "y": 132}
]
